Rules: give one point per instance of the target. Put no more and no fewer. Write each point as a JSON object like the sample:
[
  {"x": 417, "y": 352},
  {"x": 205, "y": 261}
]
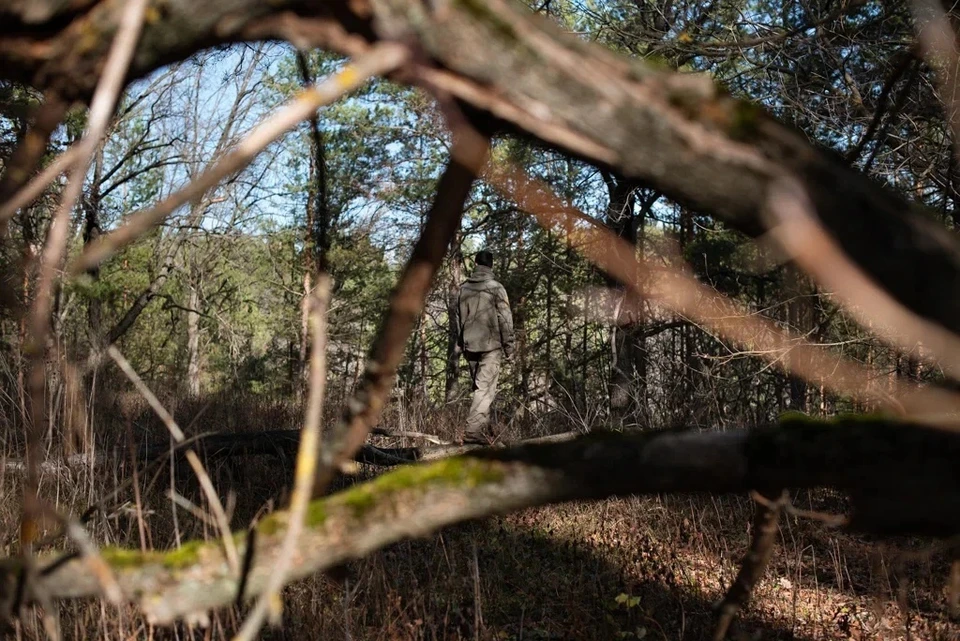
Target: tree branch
[
  {"x": 362, "y": 411},
  {"x": 766, "y": 525},
  {"x": 901, "y": 479},
  {"x": 28, "y": 153},
  {"x": 714, "y": 154}
]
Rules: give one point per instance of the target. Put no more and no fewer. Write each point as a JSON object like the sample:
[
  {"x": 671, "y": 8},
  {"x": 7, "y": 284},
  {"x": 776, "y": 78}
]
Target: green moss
[
  {"x": 793, "y": 417},
  {"x": 457, "y": 472},
  {"x": 462, "y": 472},
  {"x": 454, "y": 471},
  {"x": 270, "y": 525},
  {"x": 184, "y": 556},
  {"x": 316, "y": 513},
  {"x": 799, "y": 419},
  {"x": 744, "y": 120},
  {"x": 360, "y": 499},
  {"x": 274, "y": 523},
  {"x": 187, "y": 554}
]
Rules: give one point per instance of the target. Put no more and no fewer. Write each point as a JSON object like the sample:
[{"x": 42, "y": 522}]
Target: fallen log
[
  {"x": 284, "y": 443},
  {"x": 429, "y": 438},
  {"x": 901, "y": 479},
  {"x": 280, "y": 443}
]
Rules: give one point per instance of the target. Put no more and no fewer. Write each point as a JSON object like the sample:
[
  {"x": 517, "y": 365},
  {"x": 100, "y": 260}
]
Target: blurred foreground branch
[
  {"x": 901, "y": 480},
  {"x": 515, "y": 72}
]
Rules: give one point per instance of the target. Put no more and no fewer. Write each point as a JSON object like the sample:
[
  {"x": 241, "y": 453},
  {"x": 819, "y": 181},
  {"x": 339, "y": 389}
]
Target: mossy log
[
  {"x": 282, "y": 444},
  {"x": 901, "y": 479}
]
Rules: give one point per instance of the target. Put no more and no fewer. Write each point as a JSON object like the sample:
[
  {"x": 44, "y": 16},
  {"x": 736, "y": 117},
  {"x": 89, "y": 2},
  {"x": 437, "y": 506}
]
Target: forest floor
[{"x": 631, "y": 568}]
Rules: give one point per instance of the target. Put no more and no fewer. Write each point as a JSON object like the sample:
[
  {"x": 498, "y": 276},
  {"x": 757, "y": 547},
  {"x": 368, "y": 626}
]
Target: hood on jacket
[{"x": 480, "y": 274}]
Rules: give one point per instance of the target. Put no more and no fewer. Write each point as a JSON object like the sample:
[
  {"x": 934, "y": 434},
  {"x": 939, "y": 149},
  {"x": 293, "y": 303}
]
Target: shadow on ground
[
  {"x": 561, "y": 572},
  {"x": 491, "y": 580},
  {"x": 621, "y": 569}
]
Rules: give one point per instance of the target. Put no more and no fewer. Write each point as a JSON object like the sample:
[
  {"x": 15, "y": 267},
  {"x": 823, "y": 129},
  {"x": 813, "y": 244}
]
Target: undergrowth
[{"x": 632, "y": 568}]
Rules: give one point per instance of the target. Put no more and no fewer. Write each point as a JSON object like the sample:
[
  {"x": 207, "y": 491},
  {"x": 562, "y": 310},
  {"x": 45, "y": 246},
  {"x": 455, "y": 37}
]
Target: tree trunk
[
  {"x": 586, "y": 348},
  {"x": 548, "y": 362},
  {"x": 91, "y": 232},
  {"x": 316, "y": 230},
  {"x": 620, "y": 218},
  {"x": 309, "y": 267},
  {"x": 424, "y": 362},
  {"x": 689, "y": 347},
  {"x": 193, "y": 339},
  {"x": 452, "y": 373},
  {"x": 798, "y": 318}
]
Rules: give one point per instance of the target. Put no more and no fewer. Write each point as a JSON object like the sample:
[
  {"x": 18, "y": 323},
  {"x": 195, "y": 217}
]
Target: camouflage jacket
[{"x": 485, "y": 322}]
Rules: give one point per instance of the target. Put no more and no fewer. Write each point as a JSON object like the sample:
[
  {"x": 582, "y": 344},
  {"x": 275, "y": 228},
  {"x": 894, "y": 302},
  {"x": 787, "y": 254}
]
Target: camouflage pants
[{"x": 484, "y": 372}]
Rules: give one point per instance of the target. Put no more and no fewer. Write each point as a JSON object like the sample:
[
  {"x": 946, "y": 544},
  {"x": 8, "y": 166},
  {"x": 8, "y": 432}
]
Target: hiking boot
[{"x": 475, "y": 438}]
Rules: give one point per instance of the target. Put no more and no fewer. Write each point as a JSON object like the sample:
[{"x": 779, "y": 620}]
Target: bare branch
[
  {"x": 681, "y": 292},
  {"x": 378, "y": 60},
  {"x": 306, "y": 460},
  {"x": 280, "y": 443},
  {"x": 714, "y": 154},
  {"x": 765, "y": 529},
  {"x": 430, "y": 438},
  {"x": 205, "y": 483},
  {"x": 104, "y": 100},
  {"x": 907, "y": 60},
  {"x": 796, "y": 228},
  {"x": 362, "y": 411}
]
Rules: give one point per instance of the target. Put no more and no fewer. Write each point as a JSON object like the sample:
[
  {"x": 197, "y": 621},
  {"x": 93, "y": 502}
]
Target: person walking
[{"x": 485, "y": 338}]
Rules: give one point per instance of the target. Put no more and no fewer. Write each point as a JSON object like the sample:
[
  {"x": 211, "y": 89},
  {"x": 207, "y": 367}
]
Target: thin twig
[
  {"x": 906, "y": 61},
  {"x": 680, "y": 291},
  {"x": 830, "y": 520},
  {"x": 477, "y": 604},
  {"x": 430, "y": 438},
  {"x": 381, "y": 59},
  {"x": 795, "y": 226},
  {"x": 306, "y": 460},
  {"x": 101, "y": 108},
  {"x": 765, "y": 528},
  {"x": 195, "y": 511},
  {"x": 32, "y": 190},
  {"x": 208, "y": 489},
  {"x": 362, "y": 411}
]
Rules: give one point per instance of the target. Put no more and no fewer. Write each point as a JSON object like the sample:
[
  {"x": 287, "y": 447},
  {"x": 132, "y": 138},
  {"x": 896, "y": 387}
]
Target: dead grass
[{"x": 641, "y": 567}]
